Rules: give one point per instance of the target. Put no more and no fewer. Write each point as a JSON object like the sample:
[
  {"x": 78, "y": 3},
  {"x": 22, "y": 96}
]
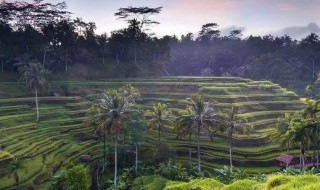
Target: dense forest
[{"x": 47, "y": 33}]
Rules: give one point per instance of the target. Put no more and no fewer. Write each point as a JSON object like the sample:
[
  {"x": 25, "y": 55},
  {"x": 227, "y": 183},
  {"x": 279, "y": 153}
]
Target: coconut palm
[
  {"x": 203, "y": 118},
  {"x": 281, "y": 127},
  {"x": 184, "y": 126},
  {"x": 298, "y": 133},
  {"x": 232, "y": 123},
  {"x": 158, "y": 118},
  {"x": 310, "y": 113},
  {"x": 111, "y": 114},
  {"x": 34, "y": 74}
]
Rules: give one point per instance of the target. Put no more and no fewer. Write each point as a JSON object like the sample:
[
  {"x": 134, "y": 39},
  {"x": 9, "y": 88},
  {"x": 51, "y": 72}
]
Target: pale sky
[{"x": 257, "y": 17}]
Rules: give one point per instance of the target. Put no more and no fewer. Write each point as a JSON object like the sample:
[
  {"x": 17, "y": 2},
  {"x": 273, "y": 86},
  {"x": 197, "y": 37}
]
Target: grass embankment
[{"x": 273, "y": 182}]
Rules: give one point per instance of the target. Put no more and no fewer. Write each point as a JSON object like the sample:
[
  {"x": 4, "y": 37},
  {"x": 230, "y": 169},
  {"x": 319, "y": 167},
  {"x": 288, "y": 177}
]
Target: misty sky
[{"x": 257, "y": 17}]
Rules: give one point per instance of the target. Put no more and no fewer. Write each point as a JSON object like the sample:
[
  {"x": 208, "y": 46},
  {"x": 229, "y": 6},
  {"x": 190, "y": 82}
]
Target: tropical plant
[
  {"x": 111, "y": 115},
  {"x": 185, "y": 126},
  {"x": 298, "y": 133},
  {"x": 232, "y": 123},
  {"x": 14, "y": 166},
  {"x": 281, "y": 127},
  {"x": 34, "y": 74},
  {"x": 136, "y": 131},
  {"x": 310, "y": 113},
  {"x": 74, "y": 178},
  {"x": 203, "y": 117},
  {"x": 228, "y": 175},
  {"x": 158, "y": 118}
]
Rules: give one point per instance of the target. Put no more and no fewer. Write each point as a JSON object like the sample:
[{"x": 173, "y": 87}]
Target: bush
[
  {"x": 244, "y": 184},
  {"x": 153, "y": 182},
  {"x": 72, "y": 179},
  {"x": 196, "y": 184}
]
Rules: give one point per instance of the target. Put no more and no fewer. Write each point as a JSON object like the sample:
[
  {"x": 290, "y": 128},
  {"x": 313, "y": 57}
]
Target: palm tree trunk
[
  {"x": 230, "y": 152},
  {"x": 317, "y": 148},
  {"x": 44, "y": 58},
  {"x": 136, "y": 168},
  {"x": 104, "y": 150},
  {"x": 159, "y": 131},
  {"x": 190, "y": 149},
  {"x": 37, "y": 106},
  {"x": 66, "y": 59},
  {"x": 2, "y": 64},
  {"x": 115, "y": 162},
  {"x": 314, "y": 148},
  {"x": 301, "y": 166},
  {"x": 199, "y": 156}
]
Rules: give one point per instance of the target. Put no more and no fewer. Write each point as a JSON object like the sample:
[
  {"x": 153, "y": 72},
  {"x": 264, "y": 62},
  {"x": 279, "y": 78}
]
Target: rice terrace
[{"x": 86, "y": 105}]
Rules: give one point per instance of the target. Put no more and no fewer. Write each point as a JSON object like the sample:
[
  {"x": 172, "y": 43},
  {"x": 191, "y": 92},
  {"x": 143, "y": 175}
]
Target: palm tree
[
  {"x": 310, "y": 113},
  {"x": 281, "y": 127},
  {"x": 34, "y": 74},
  {"x": 158, "y": 118},
  {"x": 184, "y": 125},
  {"x": 111, "y": 114},
  {"x": 202, "y": 117},
  {"x": 232, "y": 123},
  {"x": 298, "y": 133}
]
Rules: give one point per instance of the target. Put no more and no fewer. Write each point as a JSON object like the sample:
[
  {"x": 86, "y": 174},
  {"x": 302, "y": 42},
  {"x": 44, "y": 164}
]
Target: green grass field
[{"x": 60, "y": 137}]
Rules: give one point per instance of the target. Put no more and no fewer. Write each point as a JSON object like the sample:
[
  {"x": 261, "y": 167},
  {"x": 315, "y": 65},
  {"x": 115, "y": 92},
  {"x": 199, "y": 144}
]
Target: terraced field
[{"x": 60, "y": 138}]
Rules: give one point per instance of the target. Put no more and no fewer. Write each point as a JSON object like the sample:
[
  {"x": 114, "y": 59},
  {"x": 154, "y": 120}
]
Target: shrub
[
  {"x": 196, "y": 184},
  {"x": 72, "y": 179},
  {"x": 153, "y": 182},
  {"x": 244, "y": 184}
]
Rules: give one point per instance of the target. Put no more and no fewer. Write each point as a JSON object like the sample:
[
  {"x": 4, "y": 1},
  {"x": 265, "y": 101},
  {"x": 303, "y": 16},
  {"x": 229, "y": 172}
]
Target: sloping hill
[{"x": 59, "y": 138}]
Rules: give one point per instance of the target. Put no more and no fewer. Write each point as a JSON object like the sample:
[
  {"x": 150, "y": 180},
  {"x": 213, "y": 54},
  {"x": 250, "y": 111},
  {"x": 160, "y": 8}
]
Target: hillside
[{"x": 59, "y": 138}]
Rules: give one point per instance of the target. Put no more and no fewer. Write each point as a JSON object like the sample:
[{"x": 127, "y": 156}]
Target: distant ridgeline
[{"x": 60, "y": 138}]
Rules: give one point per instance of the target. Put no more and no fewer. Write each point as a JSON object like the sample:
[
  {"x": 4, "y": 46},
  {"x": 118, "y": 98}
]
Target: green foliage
[
  {"x": 199, "y": 184},
  {"x": 74, "y": 178},
  {"x": 149, "y": 183},
  {"x": 243, "y": 184},
  {"x": 228, "y": 175}
]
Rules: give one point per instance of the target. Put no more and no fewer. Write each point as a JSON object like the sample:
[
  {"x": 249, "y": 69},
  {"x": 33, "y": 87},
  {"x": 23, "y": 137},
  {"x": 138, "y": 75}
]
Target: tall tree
[
  {"x": 310, "y": 114},
  {"x": 111, "y": 115},
  {"x": 232, "y": 123},
  {"x": 185, "y": 126},
  {"x": 34, "y": 74},
  {"x": 203, "y": 117},
  {"x": 36, "y": 14},
  {"x": 299, "y": 133}
]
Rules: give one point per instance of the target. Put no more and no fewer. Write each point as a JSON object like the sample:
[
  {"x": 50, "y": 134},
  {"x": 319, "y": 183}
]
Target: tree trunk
[
  {"x": 190, "y": 149},
  {"x": 199, "y": 156},
  {"x": 2, "y": 65},
  {"x": 230, "y": 152},
  {"x": 314, "y": 148},
  {"x": 301, "y": 162},
  {"x": 135, "y": 51},
  {"x": 313, "y": 70},
  {"x": 104, "y": 151},
  {"x": 117, "y": 57},
  {"x": 136, "y": 168},
  {"x": 37, "y": 106},
  {"x": 115, "y": 162},
  {"x": 44, "y": 58},
  {"x": 159, "y": 131},
  {"x": 317, "y": 148},
  {"x": 102, "y": 59},
  {"x": 66, "y": 60}
]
